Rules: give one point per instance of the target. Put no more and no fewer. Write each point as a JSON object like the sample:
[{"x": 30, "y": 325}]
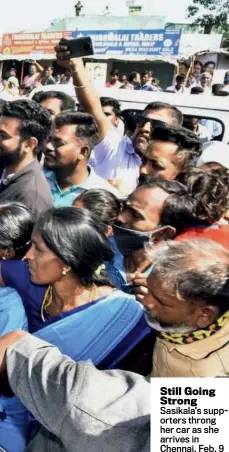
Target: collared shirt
[
  {"x": 27, "y": 186},
  {"x": 67, "y": 197},
  {"x": 181, "y": 90},
  {"x": 113, "y": 85},
  {"x": 148, "y": 87},
  {"x": 115, "y": 158}
]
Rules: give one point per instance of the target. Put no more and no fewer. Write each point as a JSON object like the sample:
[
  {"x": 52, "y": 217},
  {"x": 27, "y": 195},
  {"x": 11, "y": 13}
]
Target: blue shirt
[
  {"x": 67, "y": 197},
  {"x": 15, "y": 274},
  {"x": 13, "y": 415},
  {"x": 12, "y": 312},
  {"x": 116, "y": 268}
]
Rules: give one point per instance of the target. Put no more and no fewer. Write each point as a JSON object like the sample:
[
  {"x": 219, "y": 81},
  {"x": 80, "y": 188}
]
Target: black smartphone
[{"x": 79, "y": 47}]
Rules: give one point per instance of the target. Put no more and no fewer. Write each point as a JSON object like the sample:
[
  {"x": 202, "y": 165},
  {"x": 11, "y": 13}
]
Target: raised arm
[
  {"x": 39, "y": 67},
  {"x": 85, "y": 91}
]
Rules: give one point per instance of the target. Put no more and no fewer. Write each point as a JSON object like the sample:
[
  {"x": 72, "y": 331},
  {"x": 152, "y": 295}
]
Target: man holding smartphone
[{"x": 115, "y": 157}]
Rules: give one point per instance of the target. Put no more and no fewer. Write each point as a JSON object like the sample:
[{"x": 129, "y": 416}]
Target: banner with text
[
  {"x": 134, "y": 42},
  {"x": 32, "y": 44}
]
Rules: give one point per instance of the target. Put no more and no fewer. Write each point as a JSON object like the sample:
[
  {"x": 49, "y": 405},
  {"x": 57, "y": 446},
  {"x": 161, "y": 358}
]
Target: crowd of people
[
  {"x": 114, "y": 266},
  {"x": 195, "y": 79},
  {"x": 37, "y": 76}
]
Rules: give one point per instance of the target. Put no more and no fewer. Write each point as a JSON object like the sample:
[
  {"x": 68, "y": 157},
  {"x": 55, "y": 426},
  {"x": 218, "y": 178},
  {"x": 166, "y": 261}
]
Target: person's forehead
[
  {"x": 66, "y": 132},
  {"x": 38, "y": 240},
  {"x": 155, "y": 285},
  {"x": 148, "y": 199},
  {"x": 52, "y": 104},
  {"x": 108, "y": 109},
  {"x": 161, "y": 150},
  {"x": 161, "y": 115},
  {"x": 10, "y": 125}
]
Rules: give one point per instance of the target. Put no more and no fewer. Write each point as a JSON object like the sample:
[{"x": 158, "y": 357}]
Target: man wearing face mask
[
  {"x": 116, "y": 157},
  {"x": 141, "y": 221}
]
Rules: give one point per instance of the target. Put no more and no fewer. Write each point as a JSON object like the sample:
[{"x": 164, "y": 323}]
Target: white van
[{"x": 199, "y": 106}]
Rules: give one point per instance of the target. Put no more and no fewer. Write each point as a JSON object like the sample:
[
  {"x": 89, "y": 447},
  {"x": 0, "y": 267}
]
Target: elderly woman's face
[{"x": 44, "y": 266}]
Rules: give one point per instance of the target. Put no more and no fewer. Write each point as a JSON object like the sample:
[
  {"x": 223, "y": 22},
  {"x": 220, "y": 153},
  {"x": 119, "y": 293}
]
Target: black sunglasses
[{"x": 141, "y": 120}]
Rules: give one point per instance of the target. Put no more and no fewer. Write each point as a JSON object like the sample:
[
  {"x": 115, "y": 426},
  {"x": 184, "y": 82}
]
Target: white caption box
[{"x": 190, "y": 415}]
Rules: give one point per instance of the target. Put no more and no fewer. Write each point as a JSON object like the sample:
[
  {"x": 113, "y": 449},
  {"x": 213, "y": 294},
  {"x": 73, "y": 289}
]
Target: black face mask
[{"x": 129, "y": 240}]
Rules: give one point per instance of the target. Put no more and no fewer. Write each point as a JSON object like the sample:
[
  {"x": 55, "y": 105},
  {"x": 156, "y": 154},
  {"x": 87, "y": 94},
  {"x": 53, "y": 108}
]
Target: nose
[
  {"x": 146, "y": 128},
  {"x": 145, "y": 169},
  {"x": 49, "y": 147},
  {"x": 30, "y": 254},
  {"x": 150, "y": 303},
  {"x": 123, "y": 218}
]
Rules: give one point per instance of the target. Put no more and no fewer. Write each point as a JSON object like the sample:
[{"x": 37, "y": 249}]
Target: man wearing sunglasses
[{"x": 115, "y": 157}]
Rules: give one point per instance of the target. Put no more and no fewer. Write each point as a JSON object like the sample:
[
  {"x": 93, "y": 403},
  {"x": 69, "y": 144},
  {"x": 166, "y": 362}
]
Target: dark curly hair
[
  {"x": 202, "y": 204},
  {"x": 35, "y": 121},
  {"x": 210, "y": 193}
]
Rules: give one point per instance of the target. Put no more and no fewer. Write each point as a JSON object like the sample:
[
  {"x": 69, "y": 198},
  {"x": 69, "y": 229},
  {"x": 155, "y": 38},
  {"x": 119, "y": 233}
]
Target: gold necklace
[{"x": 48, "y": 298}]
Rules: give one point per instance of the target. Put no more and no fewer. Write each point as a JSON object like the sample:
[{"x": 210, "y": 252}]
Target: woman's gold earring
[{"x": 64, "y": 272}]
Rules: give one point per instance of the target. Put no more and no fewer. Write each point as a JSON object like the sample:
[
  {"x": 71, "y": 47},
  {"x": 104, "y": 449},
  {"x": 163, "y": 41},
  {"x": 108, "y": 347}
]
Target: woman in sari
[
  {"x": 67, "y": 295},
  {"x": 64, "y": 287}
]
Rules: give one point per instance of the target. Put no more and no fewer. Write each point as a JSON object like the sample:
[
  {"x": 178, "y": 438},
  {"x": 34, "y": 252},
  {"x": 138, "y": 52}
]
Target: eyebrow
[
  {"x": 154, "y": 160},
  {"x": 158, "y": 299},
  {"x": 3, "y": 133},
  {"x": 127, "y": 204},
  {"x": 57, "y": 140}
]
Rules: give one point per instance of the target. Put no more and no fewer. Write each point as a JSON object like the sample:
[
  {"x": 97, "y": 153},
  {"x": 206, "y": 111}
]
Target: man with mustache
[
  {"x": 170, "y": 153},
  {"x": 116, "y": 157},
  {"x": 66, "y": 158},
  {"x": 24, "y": 128},
  {"x": 187, "y": 304},
  {"x": 142, "y": 220}
]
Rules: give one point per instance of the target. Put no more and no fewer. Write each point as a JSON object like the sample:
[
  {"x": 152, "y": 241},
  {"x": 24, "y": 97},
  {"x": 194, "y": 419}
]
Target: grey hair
[{"x": 193, "y": 270}]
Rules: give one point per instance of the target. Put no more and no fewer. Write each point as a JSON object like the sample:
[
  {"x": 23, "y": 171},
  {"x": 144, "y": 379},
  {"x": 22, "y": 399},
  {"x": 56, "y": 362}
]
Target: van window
[{"x": 208, "y": 129}]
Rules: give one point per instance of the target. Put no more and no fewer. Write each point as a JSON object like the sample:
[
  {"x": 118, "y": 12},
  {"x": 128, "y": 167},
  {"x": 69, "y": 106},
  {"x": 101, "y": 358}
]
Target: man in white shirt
[
  {"x": 206, "y": 82},
  {"x": 179, "y": 86},
  {"x": 116, "y": 157}
]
